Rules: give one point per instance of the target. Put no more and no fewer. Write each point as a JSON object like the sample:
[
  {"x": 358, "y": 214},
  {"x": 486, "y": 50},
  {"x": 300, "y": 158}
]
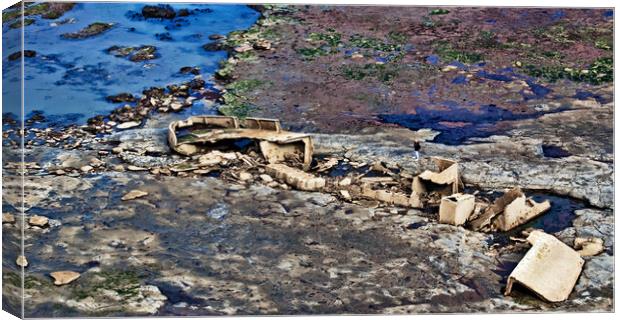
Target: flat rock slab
[
  {"x": 64, "y": 277},
  {"x": 134, "y": 194}
]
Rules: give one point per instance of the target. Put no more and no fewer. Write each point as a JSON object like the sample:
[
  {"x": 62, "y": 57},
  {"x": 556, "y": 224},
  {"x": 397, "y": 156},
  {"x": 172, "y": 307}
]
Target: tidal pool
[{"x": 71, "y": 78}]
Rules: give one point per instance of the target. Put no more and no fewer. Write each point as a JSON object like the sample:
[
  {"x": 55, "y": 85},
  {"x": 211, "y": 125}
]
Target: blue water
[
  {"x": 478, "y": 123},
  {"x": 69, "y": 77}
]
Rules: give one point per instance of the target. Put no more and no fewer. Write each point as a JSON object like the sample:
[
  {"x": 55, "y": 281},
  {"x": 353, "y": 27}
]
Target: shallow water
[
  {"x": 457, "y": 123},
  {"x": 71, "y": 78}
]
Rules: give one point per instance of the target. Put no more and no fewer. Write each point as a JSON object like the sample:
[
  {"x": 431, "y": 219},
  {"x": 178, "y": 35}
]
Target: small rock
[
  {"x": 128, "y": 125},
  {"x": 86, "y": 169},
  {"x": 216, "y": 36},
  {"x": 243, "y": 48},
  {"x": 588, "y": 247},
  {"x": 64, "y": 277},
  {"x": 449, "y": 68},
  {"x": 96, "y": 162},
  {"x": 38, "y": 221},
  {"x": 121, "y": 97},
  {"x": 357, "y": 56},
  {"x": 134, "y": 194},
  {"x": 266, "y": 178},
  {"x": 117, "y": 150},
  {"x": 159, "y": 12},
  {"x": 176, "y": 106},
  {"x": 345, "y": 182},
  {"x": 8, "y": 218},
  {"x": 119, "y": 168},
  {"x": 262, "y": 44},
  {"x": 244, "y": 176},
  {"x": 21, "y": 261},
  {"x": 59, "y": 172},
  {"x": 345, "y": 194},
  {"x": 136, "y": 168}
]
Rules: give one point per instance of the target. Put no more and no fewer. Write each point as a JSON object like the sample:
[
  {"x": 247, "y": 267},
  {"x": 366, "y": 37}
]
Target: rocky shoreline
[{"x": 222, "y": 239}]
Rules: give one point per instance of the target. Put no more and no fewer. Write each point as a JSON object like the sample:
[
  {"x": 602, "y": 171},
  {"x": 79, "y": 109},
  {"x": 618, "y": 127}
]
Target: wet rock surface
[
  {"x": 91, "y": 30},
  {"x": 159, "y": 12},
  {"x": 134, "y": 54},
  {"x": 258, "y": 249}
]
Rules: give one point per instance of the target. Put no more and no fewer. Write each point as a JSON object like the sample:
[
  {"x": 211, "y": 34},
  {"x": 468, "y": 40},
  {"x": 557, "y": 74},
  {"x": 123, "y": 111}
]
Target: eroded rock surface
[{"x": 252, "y": 249}]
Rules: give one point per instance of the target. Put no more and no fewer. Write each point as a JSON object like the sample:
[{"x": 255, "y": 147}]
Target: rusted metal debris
[
  {"x": 550, "y": 268},
  {"x": 510, "y": 210},
  {"x": 204, "y": 133}
]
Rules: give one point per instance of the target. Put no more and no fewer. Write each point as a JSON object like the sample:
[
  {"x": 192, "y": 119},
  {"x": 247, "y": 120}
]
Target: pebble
[
  {"x": 262, "y": 44},
  {"x": 587, "y": 247},
  {"x": 117, "y": 150},
  {"x": 176, "y": 106},
  {"x": 119, "y": 168},
  {"x": 244, "y": 176},
  {"x": 86, "y": 169},
  {"x": 136, "y": 168},
  {"x": 21, "y": 261},
  {"x": 345, "y": 194},
  {"x": 38, "y": 221},
  {"x": 96, "y": 162},
  {"x": 266, "y": 178},
  {"x": 64, "y": 277},
  {"x": 345, "y": 182},
  {"x": 128, "y": 125},
  {"x": 243, "y": 48},
  {"x": 134, "y": 194},
  {"x": 449, "y": 68}
]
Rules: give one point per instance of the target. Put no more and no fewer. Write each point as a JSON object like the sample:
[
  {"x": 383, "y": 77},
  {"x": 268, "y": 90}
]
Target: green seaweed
[
  {"x": 599, "y": 71},
  {"x": 331, "y": 37},
  {"x": 91, "y": 30},
  {"x": 243, "y": 86},
  {"x": 603, "y": 44},
  {"x": 381, "y": 72},
  {"x": 235, "y": 102},
  {"x": 487, "y": 39},
  {"x": 18, "y": 23},
  {"x": 311, "y": 53},
  {"x": 126, "y": 283},
  {"x": 448, "y": 53},
  {"x": 360, "y": 41},
  {"x": 435, "y": 12},
  {"x": 246, "y": 56},
  {"x": 225, "y": 71},
  {"x": 398, "y": 37},
  {"x": 46, "y": 10},
  {"x": 236, "y": 110}
]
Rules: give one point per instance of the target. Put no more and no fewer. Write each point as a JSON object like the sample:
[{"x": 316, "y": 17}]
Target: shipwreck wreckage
[{"x": 289, "y": 158}]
